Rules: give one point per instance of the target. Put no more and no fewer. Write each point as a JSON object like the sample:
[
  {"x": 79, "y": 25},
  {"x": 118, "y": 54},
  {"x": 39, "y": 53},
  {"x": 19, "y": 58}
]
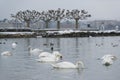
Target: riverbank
[
  {"x": 81, "y": 33},
  {"x": 54, "y": 34}
]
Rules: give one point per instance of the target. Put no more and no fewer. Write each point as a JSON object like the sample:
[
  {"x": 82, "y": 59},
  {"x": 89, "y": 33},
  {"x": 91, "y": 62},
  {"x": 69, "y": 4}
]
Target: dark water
[{"x": 23, "y": 66}]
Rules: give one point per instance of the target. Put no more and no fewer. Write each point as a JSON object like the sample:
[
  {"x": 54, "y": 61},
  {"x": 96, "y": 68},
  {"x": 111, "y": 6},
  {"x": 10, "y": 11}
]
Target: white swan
[
  {"x": 68, "y": 65},
  {"x": 51, "y": 58},
  {"x": 107, "y": 62},
  {"x": 35, "y": 51},
  {"x": 108, "y": 59},
  {"x": 44, "y": 54},
  {"x": 14, "y": 45},
  {"x": 47, "y": 54},
  {"x": 109, "y": 56},
  {"x": 6, "y": 53}
]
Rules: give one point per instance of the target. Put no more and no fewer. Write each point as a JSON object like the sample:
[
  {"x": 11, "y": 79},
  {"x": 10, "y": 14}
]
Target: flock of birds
[{"x": 54, "y": 56}]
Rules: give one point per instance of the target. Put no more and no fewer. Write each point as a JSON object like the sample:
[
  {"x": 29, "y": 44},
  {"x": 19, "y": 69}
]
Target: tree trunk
[
  {"x": 76, "y": 23},
  {"x": 46, "y": 23},
  {"x": 28, "y": 24},
  {"x": 58, "y": 24}
]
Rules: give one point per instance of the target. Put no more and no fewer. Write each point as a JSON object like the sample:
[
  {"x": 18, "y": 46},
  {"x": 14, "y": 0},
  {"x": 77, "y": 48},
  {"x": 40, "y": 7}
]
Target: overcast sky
[{"x": 99, "y": 9}]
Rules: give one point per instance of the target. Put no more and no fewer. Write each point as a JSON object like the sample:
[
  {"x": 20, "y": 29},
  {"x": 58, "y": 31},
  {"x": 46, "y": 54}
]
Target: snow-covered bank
[
  {"x": 78, "y": 33},
  {"x": 22, "y": 33},
  {"x": 61, "y": 33}
]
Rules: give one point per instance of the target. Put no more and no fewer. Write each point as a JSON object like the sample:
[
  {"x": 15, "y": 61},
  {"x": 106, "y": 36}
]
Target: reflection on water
[{"x": 23, "y": 66}]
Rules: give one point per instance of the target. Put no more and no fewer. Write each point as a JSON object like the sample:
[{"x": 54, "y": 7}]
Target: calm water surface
[{"x": 23, "y": 66}]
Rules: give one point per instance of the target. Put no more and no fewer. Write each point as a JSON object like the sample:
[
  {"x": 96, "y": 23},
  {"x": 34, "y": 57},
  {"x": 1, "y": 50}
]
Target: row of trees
[{"x": 33, "y": 16}]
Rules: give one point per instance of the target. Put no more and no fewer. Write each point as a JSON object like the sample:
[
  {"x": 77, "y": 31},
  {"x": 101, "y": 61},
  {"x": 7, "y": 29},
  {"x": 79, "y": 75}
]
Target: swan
[
  {"x": 107, "y": 62},
  {"x": 107, "y": 56},
  {"x": 6, "y": 53},
  {"x": 14, "y": 45},
  {"x": 68, "y": 65},
  {"x": 108, "y": 59},
  {"x": 50, "y": 58},
  {"x": 46, "y": 54},
  {"x": 34, "y": 51}
]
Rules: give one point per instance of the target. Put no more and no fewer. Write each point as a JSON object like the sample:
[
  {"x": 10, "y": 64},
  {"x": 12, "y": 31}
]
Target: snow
[
  {"x": 79, "y": 31},
  {"x": 22, "y": 33}
]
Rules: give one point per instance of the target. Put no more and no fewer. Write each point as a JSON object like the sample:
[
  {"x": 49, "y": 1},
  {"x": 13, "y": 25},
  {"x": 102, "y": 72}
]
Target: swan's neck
[
  {"x": 80, "y": 64},
  {"x": 56, "y": 58},
  {"x": 30, "y": 49}
]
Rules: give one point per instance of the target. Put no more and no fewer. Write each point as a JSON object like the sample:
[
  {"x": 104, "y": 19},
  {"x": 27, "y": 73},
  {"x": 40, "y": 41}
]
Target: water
[{"x": 23, "y": 66}]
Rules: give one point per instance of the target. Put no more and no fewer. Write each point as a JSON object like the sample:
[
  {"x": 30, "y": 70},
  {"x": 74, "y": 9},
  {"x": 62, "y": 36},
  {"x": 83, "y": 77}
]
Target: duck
[
  {"x": 47, "y": 54},
  {"x": 50, "y": 58},
  {"x": 108, "y": 59},
  {"x": 68, "y": 65},
  {"x": 6, "y": 53},
  {"x": 35, "y": 51},
  {"x": 14, "y": 45}
]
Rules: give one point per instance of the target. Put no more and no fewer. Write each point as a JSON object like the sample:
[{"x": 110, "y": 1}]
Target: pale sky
[{"x": 99, "y": 9}]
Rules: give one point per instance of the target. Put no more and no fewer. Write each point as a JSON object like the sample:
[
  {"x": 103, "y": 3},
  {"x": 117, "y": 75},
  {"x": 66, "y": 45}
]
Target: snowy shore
[
  {"x": 78, "y": 33},
  {"x": 61, "y": 33}
]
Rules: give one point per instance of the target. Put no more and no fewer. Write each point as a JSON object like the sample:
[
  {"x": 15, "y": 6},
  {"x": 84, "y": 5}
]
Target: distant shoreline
[
  {"x": 57, "y": 35},
  {"x": 83, "y": 34}
]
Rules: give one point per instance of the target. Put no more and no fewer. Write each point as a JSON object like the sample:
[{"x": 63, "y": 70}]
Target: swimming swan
[
  {"x": 108, "y": 59},
  {"x": 49, "y": 58},
  {"x": 68, "y": 65},
  {"x": 14, "y": 45},
  {"x": 109, "y": 56},
  {"x": 6, "y": 53},
  {"x": 34, "y": 51},
  {"x": 47, "y": 54}
]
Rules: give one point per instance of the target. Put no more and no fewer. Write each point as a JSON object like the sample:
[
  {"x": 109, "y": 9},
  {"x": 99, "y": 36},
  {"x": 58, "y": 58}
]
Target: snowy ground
[
  {"x": 22, "y": 33},
  {"x": 78, "y": 31}
]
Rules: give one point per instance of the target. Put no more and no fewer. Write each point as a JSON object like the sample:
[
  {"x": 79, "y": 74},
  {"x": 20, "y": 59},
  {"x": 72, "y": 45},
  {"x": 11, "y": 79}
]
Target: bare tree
[
  {"x": 27, "y": 16},
  {"x": 58, "y": 15},
  {"x": 77, "y": 15},
  {"x": 46, "y": 17}
]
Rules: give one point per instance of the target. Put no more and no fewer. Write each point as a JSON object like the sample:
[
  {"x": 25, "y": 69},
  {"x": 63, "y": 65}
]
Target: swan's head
[
  {"x": 57, "y": 54},
  {"x": 80, "y": 64}
]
